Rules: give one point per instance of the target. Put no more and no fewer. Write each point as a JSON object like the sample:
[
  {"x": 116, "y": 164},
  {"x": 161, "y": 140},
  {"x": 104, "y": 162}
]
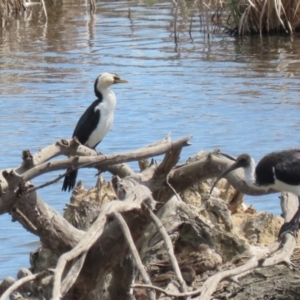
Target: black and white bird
[
  {"x": 277, "y": 170},
  {"x": 96, "y": 121}
]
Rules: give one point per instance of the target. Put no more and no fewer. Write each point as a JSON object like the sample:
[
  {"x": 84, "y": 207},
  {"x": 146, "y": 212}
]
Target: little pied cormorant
[{"x": 96, "y": 121}]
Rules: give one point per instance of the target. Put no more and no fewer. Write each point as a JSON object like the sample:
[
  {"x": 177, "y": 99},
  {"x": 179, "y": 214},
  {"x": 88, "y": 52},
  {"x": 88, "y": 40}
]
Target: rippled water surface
[{"x": 239, "y": 95}]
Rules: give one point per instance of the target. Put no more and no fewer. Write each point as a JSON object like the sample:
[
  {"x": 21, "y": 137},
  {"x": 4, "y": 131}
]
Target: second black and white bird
[
  {"x": 278, "y": 170},
  {"x": 96, "y": 121}
]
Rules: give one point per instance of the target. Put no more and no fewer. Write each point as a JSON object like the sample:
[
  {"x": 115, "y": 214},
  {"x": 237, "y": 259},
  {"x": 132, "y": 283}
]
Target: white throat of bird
[{"x": 249, "y": 174}]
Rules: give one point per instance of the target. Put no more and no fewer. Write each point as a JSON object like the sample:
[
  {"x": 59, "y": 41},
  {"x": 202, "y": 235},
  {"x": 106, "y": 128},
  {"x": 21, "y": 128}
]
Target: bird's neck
[
  {"x": 249, "y": 173},
  {"x": 98, "y": 94},
  {"x": 106, "y": 96}
]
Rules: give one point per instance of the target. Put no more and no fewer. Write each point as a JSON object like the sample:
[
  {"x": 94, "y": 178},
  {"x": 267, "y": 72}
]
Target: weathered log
[
  {"x": 88, "y": 257},
  {"x": 11, "y": 180}
]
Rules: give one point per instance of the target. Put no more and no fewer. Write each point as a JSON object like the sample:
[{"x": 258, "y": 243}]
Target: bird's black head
[
  {"x": 104, "y": 81},
  {"x": 242, "y": 161}
]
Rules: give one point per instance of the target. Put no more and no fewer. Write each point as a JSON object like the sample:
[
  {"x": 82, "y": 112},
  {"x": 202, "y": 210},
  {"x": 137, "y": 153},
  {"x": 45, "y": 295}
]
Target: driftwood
[{"x": 176, "y": 252}]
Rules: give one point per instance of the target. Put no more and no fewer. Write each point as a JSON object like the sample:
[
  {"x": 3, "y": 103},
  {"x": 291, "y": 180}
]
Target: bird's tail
[{"x": 69, "y": 181}]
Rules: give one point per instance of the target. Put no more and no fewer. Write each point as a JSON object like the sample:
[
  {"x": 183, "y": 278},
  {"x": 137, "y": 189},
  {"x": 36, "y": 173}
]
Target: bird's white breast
[
  {"x": 107, "y": 108},
  {"x": 284, "y": 187}
]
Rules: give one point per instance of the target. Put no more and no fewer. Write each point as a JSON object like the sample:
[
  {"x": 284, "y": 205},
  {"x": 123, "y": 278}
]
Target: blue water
[{"x": 236, "y": 95}]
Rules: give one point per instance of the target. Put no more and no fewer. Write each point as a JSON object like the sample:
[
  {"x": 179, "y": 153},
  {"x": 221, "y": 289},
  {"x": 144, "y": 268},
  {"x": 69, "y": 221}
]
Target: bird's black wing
[
  {"x": 288, "y": 170},
  {"x": 87, "y": 123},
  {"x": 284, "y": 165}
]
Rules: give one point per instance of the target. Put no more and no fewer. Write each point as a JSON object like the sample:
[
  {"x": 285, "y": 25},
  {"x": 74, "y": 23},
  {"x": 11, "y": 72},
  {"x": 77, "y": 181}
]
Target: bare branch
[
  {"x": 63, "y": 147},
  {"x": 266, "y": 257},
  {"x": 284, "y": 253},
  {"x": 135, "y": 254},
  {"x": 145, "y": 286},
  {"x": 24, "y": 219},
  {"x": 104, "y": 160},
  {"x": 73, "y": 273},
  {"x": 55, "y": 232},
  {"x": 22, "y": 281},
  {"x": 13, "y": 179},
  {"x": 205, "y": 166},
  {"x": 211, "y": 283},
  {"x": 289, "y": 204},
  {"x": 89, "y": 239},
  {"x": 170, "y": 249}
]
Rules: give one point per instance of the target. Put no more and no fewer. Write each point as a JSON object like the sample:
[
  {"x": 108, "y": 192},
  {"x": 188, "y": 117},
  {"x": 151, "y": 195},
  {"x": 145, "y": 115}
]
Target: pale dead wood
[
  {"x": 37, "y": 215},
  {"x": 104, "y": 160},
  {"x": 284, "y": 253},
  {"x": 170, "y": 294},
  {"x": 24, "y": 280},
  {"x": 289, "y": 204},
  {"x": 123, "y": 170},
  {"x": 135, "y": 254},
  {"x": 91, "y": 236},
  {"x": 204, "y": 166},
  {"x": 279, "y": 251},
  {"x": 211, "y": 283},
  {"x": 35, "y": 188},
  {"x": 135, "y": 195},
  {"x": 73, "y": 273},
  {"x": 172, "y": 287},
  {"x": 219, "y": 208},
  {"x": 168, "y": 243},
  {"x": 55, "y": 232},
  {"x": 207, "y": 165},
  {"x": 271, "y": 249},
  {"x": 59, "y": 239},
  {"x": 166, "y": 139},
  {"x": 23, "y": 219},
  {"x": 169, "y": 161},
  {"x": 70, "y": 147},
  {"x": 13, "y": 179}
]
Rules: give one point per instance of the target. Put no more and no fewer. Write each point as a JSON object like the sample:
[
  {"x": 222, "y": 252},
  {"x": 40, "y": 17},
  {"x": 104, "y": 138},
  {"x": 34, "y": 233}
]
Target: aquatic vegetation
[
  {"x": 264, "y": 16},
  {"x": 15, "y": 8},
  {"x": 233, "y": 17},
  {"x": 11, "y": 6}
]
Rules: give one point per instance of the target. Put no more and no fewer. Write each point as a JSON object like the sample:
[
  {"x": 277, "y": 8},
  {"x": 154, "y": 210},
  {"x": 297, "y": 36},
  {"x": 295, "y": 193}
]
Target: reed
[
  {"x": 14, "y": 9},
  {"x": 235, "y": 17},
  {"x": 264, "y": 16},
  {"x": 11, "y": 6}
]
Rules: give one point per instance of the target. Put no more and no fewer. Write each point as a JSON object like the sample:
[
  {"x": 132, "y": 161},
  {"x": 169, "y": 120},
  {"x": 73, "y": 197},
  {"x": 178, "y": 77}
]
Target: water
[{"x": 236, "y": 95}]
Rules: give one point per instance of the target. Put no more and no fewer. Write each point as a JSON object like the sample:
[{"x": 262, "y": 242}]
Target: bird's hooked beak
[
  {"x": 233, "y": 167},
  {"x": 119, "y": 80}
]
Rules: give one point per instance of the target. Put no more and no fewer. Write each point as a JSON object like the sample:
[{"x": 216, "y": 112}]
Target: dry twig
[
  {"x": 91, "y": 236},
  {"x": 22, "y": 281},
  {"x": 168, "y": 243},
  {"x": 135, "y": 254}
]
